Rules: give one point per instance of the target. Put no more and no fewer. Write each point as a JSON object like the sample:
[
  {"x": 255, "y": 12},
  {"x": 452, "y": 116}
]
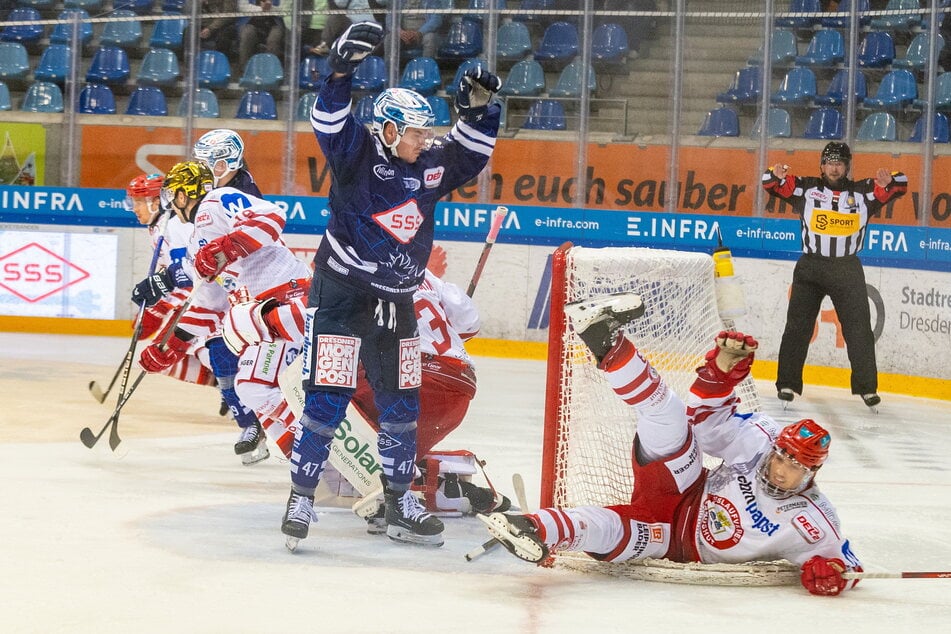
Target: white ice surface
[{"x": 173, "y": 534}]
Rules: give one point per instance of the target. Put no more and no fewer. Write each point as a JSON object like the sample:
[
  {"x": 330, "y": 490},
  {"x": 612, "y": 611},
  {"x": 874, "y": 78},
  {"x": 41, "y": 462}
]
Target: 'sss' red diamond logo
[
  {"x": 401, "y": 222},
  {"x": 33, "y": 272}
]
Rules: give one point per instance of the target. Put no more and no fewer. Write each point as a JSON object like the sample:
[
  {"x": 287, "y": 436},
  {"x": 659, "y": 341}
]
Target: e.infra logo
[{"x": 33, "y": 273}]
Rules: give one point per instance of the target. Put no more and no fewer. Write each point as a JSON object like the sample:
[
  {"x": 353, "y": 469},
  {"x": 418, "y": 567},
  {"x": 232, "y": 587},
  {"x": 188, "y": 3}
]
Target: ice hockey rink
[{"x": 173, "y": 534}]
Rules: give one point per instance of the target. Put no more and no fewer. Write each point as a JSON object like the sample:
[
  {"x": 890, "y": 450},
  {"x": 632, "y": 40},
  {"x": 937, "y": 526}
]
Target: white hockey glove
[
  {"x": 246, "y": 325},
  {"x": 474, "y": 91},
  {"x": 353, "y": 46}
]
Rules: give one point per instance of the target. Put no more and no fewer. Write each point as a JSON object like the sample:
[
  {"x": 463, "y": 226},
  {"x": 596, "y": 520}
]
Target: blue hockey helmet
[{"x": 220, "y": 145}]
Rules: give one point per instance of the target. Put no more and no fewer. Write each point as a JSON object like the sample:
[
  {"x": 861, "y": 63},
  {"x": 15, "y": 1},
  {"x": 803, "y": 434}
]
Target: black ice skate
[
  {"x": 297, "y": 518},
  {"x": 408, "y": 521},
  {"x": 598, "y": 320},
  {"x": 518, "y": 535},
  {"x": 252, "y": 445},
  {"x": 872, "y": 401},
  {"x": 483, "y": 499},
  {"x": 786, "y": 395}
]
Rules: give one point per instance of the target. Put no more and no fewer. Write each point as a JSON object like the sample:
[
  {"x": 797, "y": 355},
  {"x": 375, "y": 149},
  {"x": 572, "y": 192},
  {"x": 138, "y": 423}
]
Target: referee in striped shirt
[{"x": 834, "y": 213}]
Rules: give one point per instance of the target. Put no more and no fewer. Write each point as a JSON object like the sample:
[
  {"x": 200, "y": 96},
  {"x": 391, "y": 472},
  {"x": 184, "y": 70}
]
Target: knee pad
[
  {"x": 325, "y": 408},
  {"x": 396, "y": 410}
]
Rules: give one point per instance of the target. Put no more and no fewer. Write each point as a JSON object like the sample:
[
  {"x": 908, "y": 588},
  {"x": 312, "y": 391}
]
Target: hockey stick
[
  {"x": 519, "y": 485},
  {"x": 86, "y": 435},
  {"x": 497, "y": 217},
  {"x": 97, "y": 392},
  {"x": 897, "y": 575}
]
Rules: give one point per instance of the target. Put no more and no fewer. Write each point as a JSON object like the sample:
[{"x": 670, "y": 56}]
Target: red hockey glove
[
  {"x": 151, "y": 322},
  {"x": 221, "y": 252},
  {"x": 730, "y": 360},
  {"x": 156, "y": 357},
  {"x": 823, "y": 576}
]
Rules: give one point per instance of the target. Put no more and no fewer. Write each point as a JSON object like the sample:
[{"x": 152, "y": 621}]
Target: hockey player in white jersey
[
  {"x": 236, "y": 243},
  {"x": 760, "y": 504}
]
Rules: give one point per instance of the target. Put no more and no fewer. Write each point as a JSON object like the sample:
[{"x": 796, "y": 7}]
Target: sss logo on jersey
[{"x": 401, "y": 222}]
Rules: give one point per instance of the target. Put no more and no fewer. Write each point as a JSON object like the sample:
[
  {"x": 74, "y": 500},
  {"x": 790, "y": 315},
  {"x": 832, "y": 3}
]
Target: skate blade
[
  {"x": 398, "y": 534},
  {"x": 291, "y": 542},
  {"x": 257, "y": 455},
  {"x": 514, "y": 541}
]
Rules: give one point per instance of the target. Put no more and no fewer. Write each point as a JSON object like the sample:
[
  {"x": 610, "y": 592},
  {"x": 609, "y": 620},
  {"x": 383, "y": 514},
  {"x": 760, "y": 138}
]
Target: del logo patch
[
  {"x": 807, "y": 527},
  {"x": 721, "y": 527},
  {"x": 432, "y": 177},
  {"x": 401, "y": 222}
]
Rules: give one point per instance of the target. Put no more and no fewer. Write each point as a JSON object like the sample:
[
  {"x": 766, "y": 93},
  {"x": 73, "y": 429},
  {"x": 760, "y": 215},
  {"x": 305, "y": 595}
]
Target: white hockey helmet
[
  {"x": 222, "y": 150},
  {"x": 403, "y": 108}
]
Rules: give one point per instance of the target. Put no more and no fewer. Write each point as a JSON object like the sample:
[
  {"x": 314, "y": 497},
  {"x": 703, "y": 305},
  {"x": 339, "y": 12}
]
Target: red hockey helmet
[
  {"x": 145, "y": 186},
  {"x": 806, "y": 442}
]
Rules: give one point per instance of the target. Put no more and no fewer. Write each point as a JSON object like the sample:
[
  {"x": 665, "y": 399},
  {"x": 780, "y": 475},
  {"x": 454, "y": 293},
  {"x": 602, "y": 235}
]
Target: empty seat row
[
  {"x": 126, "y": 31},
  {"x": 905, "y": 15}
]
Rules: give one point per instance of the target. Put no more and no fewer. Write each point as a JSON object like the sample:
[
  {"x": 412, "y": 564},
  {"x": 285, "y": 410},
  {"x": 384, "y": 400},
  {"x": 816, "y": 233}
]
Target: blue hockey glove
[
  {"x": 474, "y": 91},
  {"x": 179, "y": 276},
  {"x": 153, "y": 288},
  {"x": 353, "y": 46}
]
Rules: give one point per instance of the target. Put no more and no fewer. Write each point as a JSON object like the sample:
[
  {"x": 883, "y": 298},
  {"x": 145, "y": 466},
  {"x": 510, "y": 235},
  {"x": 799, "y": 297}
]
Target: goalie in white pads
[{"x": 760, "y": 504}]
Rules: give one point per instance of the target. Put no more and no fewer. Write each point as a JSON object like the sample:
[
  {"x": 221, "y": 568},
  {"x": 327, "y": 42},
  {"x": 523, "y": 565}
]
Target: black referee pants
[{"x": 843, "y": 280}]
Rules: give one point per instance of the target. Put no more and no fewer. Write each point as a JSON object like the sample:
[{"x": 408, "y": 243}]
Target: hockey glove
[
  {"x": 823, "y": 576},
  {"x": 474, "y": 91},
  {"x": 179, "y": 276},
  {"x": 353, "y": 46},
  {"x": 158, "y": 357},
  {"x": 152, "y": 319},
  {"x": 246, "y": 324},
  {"x": 220, "y": 252},
  {"x": 730, "y": 361},
  {"x": 153, "y": 288}
]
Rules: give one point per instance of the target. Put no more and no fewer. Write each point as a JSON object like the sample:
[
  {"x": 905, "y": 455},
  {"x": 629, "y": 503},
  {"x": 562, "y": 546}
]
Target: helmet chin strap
[{"x": 396, "y": 141}]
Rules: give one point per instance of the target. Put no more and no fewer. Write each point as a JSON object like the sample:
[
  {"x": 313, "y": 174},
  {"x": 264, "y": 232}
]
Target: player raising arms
[
  {"x": 386, "y": 183},
  {"x": 760, "y": 504}
]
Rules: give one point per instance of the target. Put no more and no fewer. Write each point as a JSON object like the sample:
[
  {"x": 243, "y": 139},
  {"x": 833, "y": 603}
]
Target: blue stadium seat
[
  {"x": 62, "y": 32},
  {"x": 942, "y": 94},
  {"x": 838, "y": 89},
  {"x": 569, "y": 82},
  {"x": 5, "y": 102},
  {"x": 824, "y": 123},
  {"x": 513, "y": 42},
  {"x": 257, "y": 104},
  {"x": 940, "y": 131},
  {"x": 204, "y": 104},
  {"x": 305, "y": 103},
  {"x": 312, "y": 71},
  {"x": 609, "y": 45},
  {"x": 534, "y": 5},
  {"x": 159, "y": 68},
  {"x": 746, "y": 87},
  {"x": 39, "y": 5},
  {"x": 463, "y": 40},
  {"x": 363, "y": 110},
  {"x": 422, "y": 74},
  {"x": 173, "y": 6},
  {"x": 126, "y": 33},
  {"x": 526, "y": 78},
  {"x": 168, "y": 33},
  {"x": 878, "y": 126},
  {"x": 800, "y": 21},
  {"x": 826, "y": 48},
  {"x": 87, "y": 5},
  {"x": 453, "y": 87},
  {"x": 876, "y": 50},
  {"x": 916, "y": 55},
  {"x": 14, "y": 61},
  {"x": 841, "y": 17},
  {"x": 96, "y": 99},
  {"x": 140, "y": 7},
  {"x": 482, "y": 5},
  {"x": 26, "y": 33},
  {"x": 545, "y": 114},
  {"x": 720, "y": 122},
  {"x": 370, "y": 75},
  {"x": 797, "y": 88},
  {"x": 147, "y": 101},
  {"x": 42, "y": 96},
  {"x": 778, "y": 125},
  {"x": 783, "y": 49},
  {"x": 897, "y": 21},
  {"x": 441, "y": 109},
  {"x": 559, "y": 44},
  {"x": 54, "y": 65},
  {"x": 214, "y": 70},
  {"x": 263, "y": 72},
  {"x": 110, "y": 65},
  {"x": 897, "y": 89}
]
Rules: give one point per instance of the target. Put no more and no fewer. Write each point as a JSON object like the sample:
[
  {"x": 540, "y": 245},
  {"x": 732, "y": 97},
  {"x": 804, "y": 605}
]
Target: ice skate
[
  {"x": 484, "y": 499},
  {"x": 408, "y": 521},
  {"x": 598, "y": 320},
  {"x": 252, "y": 445},
  {"x": 376, "y": 523},
  {"x": 518, "y": 535},
  {"x": 297, "y": 518},
  {"x": 786, "y": 395},
  {"x": 871, "y": 401}
]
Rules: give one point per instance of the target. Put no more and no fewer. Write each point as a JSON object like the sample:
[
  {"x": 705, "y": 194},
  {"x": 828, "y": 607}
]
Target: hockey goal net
[{"x": 589, "y": 432}]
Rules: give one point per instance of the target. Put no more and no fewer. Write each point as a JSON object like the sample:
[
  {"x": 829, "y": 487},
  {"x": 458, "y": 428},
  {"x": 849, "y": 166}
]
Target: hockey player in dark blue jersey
[
  {"x": 386, "y": 183},
  {"x": 222, "y": 150}
]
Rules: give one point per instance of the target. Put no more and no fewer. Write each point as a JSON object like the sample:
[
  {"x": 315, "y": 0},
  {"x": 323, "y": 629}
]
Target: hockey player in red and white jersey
[
  {"x": 235, "y": 244},
  {"x": 760, "y": 504}
]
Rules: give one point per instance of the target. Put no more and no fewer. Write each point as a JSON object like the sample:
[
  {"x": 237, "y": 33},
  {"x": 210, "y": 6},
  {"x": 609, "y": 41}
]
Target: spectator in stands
[
  {"x": 218, "y": 33},
  {"x": 311, "y": 25},
  {"x": 420, "y": 33},
  {"x": 337, "y": 23},
  {"x": 256, "y": 30}
]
